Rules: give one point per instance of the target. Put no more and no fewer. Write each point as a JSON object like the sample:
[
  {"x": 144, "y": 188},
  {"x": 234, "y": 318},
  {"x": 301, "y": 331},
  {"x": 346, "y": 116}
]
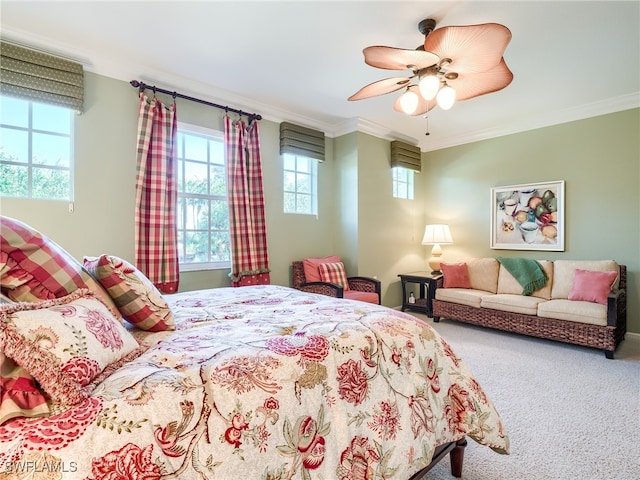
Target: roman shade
[
  {"x": 405, "y": 155},
  {"x": 301, "y": 141},
  {"x": 40, "y": 77}
]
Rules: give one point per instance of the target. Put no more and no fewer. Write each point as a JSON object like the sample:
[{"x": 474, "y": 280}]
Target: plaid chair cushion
[
  {"x": 138, "y": 300},
  {"x": 34, "y": 267},
  {"x": 334, "y": 273}
]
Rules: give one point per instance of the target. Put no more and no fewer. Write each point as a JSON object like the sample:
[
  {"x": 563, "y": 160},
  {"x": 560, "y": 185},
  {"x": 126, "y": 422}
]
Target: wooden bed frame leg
[{"x": 457, "y": 457}]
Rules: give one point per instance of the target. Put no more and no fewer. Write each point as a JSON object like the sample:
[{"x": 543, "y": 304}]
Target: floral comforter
[{"x": 265, "y": 382}]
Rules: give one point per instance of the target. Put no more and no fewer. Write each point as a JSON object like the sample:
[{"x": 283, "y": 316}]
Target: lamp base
[{"x": 434, "y": 261}]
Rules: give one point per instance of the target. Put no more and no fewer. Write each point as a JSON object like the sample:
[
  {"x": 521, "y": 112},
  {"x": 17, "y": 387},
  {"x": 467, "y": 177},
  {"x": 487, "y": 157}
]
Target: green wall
[
  {"x": 358, "y": 219},
  {"x": 599, "y": 160}
]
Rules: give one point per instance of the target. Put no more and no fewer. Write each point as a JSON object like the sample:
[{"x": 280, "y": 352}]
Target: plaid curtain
[
  {"x": 249, "y": 256},
  {"x": 156, "y": 194}
]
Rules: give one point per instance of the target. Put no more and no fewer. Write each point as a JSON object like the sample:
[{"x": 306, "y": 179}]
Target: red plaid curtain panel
[
  {"x": 248, "y": 229},
  {"x": 156, "y": 194}
]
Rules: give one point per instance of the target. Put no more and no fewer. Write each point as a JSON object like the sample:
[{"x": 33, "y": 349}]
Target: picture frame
[{"x": 528, "y": 216}]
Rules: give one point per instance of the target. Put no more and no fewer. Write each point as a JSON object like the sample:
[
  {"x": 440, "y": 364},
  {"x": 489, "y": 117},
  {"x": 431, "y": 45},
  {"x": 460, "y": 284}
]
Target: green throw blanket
[{"x": 527, "y": 272}]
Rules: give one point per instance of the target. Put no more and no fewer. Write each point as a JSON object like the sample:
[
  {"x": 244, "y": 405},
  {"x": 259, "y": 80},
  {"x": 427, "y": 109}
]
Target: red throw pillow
[
  {"x": 334, "y": 273},
  {"x": 590, "y": 286},
  {"x": 310, "y": 265},
  {"x": 456, "y": 275}
]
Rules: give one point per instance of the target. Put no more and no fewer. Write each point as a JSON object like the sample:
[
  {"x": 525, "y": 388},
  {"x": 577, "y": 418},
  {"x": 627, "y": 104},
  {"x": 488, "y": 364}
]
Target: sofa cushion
[
  {"x": 592, "y": 286},
  {"x": 483, "y": 273},
  {"x": 508, "y": 284},
  {"x": 463, "y": 296},
  {"x": 456, "y": 275},
  {"x": 517, "y": 303},
  {"x": 564, "y": 273},
  {"x": 574, "y": 311}
]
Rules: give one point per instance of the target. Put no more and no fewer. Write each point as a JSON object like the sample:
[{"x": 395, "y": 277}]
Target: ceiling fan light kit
[{"x": 455, "y": 63}]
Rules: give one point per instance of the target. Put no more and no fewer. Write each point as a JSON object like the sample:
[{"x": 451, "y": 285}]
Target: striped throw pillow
[
  {"x": 334, "y": 273},
  {"x": 138, "y": 300}
]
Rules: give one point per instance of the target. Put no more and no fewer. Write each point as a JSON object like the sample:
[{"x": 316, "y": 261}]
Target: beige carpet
[{"x": 571, "y": 414}]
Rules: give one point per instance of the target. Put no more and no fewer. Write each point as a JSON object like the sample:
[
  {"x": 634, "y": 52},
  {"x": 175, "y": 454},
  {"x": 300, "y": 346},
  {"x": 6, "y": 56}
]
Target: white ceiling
[{"x": 300, "y": 60}]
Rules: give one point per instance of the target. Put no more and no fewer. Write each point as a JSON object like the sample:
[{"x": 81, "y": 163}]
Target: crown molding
[{"x": 103, "y": 64}]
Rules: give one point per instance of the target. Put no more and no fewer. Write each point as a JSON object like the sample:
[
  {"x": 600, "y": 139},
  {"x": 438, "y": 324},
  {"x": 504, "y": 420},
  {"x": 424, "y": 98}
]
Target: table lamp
[{"x": 436, "y": 235}]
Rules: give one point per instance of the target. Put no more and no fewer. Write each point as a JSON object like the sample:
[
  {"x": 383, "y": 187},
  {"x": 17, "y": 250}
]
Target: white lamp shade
[
  {"x": 446, "y": 97},
  {"x": 437, "y": 235},
  {"x": 429, "y": 85},
  {"x": 409, "y": 102}
]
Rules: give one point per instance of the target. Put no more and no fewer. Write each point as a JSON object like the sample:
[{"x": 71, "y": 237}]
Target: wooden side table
[{"x": 427, "y": 284}]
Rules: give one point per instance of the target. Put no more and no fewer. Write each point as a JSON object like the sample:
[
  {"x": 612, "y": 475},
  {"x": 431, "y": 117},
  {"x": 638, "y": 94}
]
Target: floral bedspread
[{"x": 265, "y": 382}]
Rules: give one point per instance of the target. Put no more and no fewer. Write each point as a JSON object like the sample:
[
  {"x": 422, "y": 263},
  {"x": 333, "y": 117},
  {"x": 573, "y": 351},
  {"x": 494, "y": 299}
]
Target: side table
[{"x": 427, "y": 284}]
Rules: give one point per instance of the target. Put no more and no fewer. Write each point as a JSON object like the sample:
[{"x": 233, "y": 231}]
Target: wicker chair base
[{"x": 606, "y": 338}]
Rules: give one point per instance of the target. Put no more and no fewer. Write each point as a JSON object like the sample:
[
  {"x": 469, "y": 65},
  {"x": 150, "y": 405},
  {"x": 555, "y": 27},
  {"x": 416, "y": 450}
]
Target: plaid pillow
[
  {"x": 138, "y": 300},
  {"x": 34, "y": 267},
  {"x": 334, "y": 273},
  {"x": 19, "y": 396},
  {"x": 66, "y": 344}
]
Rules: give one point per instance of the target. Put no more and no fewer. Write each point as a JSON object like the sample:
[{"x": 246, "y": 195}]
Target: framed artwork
[{"x": 528, "y": 217}]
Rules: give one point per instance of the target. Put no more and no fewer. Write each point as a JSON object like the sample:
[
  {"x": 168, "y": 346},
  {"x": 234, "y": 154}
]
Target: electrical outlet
[{"x": 71, "y": 207}]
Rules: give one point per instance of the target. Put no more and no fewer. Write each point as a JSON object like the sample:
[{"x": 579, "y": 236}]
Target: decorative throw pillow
[
  {"x": 19, "y": 396},
  {"x": 66, "y": 343},
  {"x": 591, "y": 286},
  {"x": 138, "y": 300},
  {"x": 310, "y": 265},
  {"x": 456, "y": 275},
  {"x": 34, "y": 267},
  {"x": 333, "y": 273}
]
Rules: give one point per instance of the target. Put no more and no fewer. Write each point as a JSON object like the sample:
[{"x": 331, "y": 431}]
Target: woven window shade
[
  {"x": 405, "y": 155},
  {"x": 301, "y": 141},
  {"x": 39, "y": 77}
]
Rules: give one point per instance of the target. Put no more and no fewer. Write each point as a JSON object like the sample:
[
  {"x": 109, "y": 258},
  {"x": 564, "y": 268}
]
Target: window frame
[
  {"x": 208, "y": 133},
  {"x": 30, "y": 130},
  {"x": 313, "y": 175},
  {"x": 408, "y": 182}
]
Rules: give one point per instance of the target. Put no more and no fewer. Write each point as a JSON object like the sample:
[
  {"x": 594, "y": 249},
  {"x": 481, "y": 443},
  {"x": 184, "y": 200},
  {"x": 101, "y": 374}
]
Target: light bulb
[
  {"x": 446, "y": 97},
  {"x": 429, "y": 85},
  {"x": 409, "y": 102}
]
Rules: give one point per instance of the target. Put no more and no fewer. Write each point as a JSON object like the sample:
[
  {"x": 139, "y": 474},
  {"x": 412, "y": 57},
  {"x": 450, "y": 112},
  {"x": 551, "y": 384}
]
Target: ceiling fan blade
[
  {"x": 391, "y": 58},
  {"x": 470, "y": 85},
  {"x": 471, "y": 48},
  {"x": 381, "y": 87},
  {"x": 423, "y": 107}
]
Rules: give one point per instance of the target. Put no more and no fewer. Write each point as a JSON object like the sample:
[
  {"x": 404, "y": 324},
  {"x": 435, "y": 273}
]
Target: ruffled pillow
[
  {"x": 33, "y": 267},
  {"x": 456, "y": 275},
  {"x": 310, "y": 266},
  {"x": 66, "y": 343},
  {"x": 592, "y": 286},
  {"x": 138, "y": 300},
  {"x": 19, "y": 396}
]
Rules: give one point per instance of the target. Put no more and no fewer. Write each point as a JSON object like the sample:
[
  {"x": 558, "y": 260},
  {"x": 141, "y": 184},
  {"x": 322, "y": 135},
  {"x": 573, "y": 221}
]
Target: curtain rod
[{"x": 142, "y": 86}]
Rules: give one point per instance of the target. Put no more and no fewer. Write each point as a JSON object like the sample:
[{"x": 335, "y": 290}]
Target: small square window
[
  {"x": 402, "y": 179},
  {"x": 300, "y": 184}
]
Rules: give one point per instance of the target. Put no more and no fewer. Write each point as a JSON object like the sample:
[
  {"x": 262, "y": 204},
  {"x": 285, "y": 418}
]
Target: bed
[{"x": 263, "y": 382}]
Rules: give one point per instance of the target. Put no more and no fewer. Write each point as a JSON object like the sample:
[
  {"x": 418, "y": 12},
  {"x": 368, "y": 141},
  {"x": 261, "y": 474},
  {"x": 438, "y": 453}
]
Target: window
[
  {"x": 300, "y": 184},
  {"x": 203, "y": 209},
  {"x": 35, "y": 150},
  {"x": 402, "y": 182}
]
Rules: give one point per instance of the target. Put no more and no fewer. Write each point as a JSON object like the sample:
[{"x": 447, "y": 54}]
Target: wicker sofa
[{"x": 495, "y": 300}]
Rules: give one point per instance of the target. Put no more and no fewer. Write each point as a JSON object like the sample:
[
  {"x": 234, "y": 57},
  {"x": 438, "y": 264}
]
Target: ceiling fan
[{"x": 455, "y": 63}]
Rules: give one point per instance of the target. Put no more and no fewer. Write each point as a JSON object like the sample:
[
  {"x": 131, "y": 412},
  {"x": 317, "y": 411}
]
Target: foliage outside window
[
  {"x": 300, "y": 184},
  {"x": 402, "y": 182},
  {"x": 35, "y": 150},
  {"x": 203, "y": 209}
]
